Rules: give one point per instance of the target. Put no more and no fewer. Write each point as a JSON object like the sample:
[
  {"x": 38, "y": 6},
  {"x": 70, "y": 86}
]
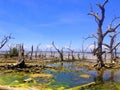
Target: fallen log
[{"x": 21, "y": 64}]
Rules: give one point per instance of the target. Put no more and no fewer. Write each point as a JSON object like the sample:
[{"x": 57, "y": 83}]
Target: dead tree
[
  {"x": 52, "y": 54},
  {"x": 59, "y": 51},
  {"x": 83, "y": 51},
  {"x": 71, "y": 51},
  {"x": 37, "y": 50},
  {"x": 99, "y": 18},
  {"x": 5, "y": 40},
  {"x": 31, "y": 56},
  {"x": 112, "y": 46},
  {"x": 78, "y": 55},
  {"x": 21, "y": 62},
  {"x": 68, "y": 56}
]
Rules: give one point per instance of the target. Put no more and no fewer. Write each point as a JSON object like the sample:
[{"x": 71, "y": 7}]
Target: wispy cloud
[{"x": 65, "y": 19}]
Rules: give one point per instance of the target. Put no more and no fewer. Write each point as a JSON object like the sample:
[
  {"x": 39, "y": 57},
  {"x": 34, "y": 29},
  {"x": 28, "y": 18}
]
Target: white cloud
[
  {"x": 49, "y": 46},
  {"x": 90, "y": 47}
]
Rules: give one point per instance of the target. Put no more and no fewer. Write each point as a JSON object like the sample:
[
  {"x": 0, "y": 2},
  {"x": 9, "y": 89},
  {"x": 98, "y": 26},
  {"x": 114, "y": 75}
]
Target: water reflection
[
  {"x": 104, "y": 76},
  {"x": 112, "y": 76},
  {"x": 71, "y": 75},
  {"x": 99, "y": 79},
  {"x": 65, "y": 74}
]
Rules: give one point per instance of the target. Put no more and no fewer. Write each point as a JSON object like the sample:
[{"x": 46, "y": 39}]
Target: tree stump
[{"x": 21, "y": 64}]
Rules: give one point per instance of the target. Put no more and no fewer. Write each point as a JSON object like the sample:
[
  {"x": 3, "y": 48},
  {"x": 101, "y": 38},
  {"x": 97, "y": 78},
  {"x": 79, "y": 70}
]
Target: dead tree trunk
[
  {"x": 100, "y": 35},
  {"x": 112, "y": 47},
  {"x": 51, "y": 53},
  {"x": 59, "y": 51},
  {"x": 68, "y": 56},
  {"x": 112, "y": 42},
  {"x": 71, "y": 51},
  {"x": 83, "y": 51},
  {"x": 31, "y": 56},
  {"x": 99, "y": 48},
  {"x": 98, "y": 52},
  {"x": 37, "y": 50},
  {"x": 21, "y": 62},
  {"x": 78, "y": 55}
]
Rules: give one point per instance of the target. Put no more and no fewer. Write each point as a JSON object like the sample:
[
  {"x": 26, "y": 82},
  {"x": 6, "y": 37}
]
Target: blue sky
[{"x": 42, "y": 21}]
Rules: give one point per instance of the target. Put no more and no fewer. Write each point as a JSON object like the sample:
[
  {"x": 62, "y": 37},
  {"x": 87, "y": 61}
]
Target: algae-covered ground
[{"x": 62, "y": 76}]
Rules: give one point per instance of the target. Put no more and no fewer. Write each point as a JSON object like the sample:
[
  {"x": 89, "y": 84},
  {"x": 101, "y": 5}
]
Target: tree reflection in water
[
  {"x": 102, "y": 78},
  {"x": 99, "y": 79}
]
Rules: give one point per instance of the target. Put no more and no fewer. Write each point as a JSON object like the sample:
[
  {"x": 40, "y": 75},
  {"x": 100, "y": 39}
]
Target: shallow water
[
  {"x": 65, "y": 75},
  {"x": 69, "y": 76}
]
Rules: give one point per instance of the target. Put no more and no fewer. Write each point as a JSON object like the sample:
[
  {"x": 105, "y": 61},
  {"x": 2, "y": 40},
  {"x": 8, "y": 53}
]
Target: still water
[{"x": 67, "y": 75}]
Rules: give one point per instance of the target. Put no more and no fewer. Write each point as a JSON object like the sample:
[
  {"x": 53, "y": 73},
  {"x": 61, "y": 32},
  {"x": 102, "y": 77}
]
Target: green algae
[
  {"x": 82, "y": 87},
  {"x": 58, "y": 78},
  {"x": 105, "y": 86},
  {"x": 17, "y": 79}
]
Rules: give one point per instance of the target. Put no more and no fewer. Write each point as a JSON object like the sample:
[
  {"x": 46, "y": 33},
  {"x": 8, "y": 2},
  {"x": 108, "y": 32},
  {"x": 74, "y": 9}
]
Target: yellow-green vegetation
[
  {"x": 105, "y": 86},
  {"x": 94, "y": 86},
  {"x": 61, "y": 88},
  {"x": 51, "y": 81},
  {"x": 85, "y": 76},
  {"x": 23, "y": 88},
  {"x": 37, "y": 78},
  {"x": 83, "y": 86},
  {"x": 40, "y": 87},
  {"x": 41, "y": 75},
  {"x": 15, "y": 88}
]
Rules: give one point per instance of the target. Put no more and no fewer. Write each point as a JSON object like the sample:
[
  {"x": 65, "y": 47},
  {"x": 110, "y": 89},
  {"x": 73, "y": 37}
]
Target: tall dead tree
[
  {"x": 112, "y": 46},
  {"x": 99, "y": 18},
  {"x": 21, "y": 52},
  {"x": 83, "y": 51},
  {"x": 31, "y": 56},
  {"x": 37, "y": 50},
  {"x": 59, "y": 51}
]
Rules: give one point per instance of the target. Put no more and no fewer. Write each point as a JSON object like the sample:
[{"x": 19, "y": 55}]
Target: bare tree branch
[
  {"x": 116, "y": 46},
  {"x": 95, "y": 15},
  {"x": 110, "y": 28},
  {"x": 105, "y": 2},
  {"x": 92, "y": 36},
  {"x": 5, "y": 40},
  {"x": 55, "y": 46},
  {"x": 106, "y": 45},
  {"x": 59, "y": 51},
  {"x": 71, "y": 51},
  {"x": 113, "y": 21}
]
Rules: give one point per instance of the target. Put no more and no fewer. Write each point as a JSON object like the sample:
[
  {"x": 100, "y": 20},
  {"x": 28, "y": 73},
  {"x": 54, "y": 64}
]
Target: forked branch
[{"x": 5, "y": 40}]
